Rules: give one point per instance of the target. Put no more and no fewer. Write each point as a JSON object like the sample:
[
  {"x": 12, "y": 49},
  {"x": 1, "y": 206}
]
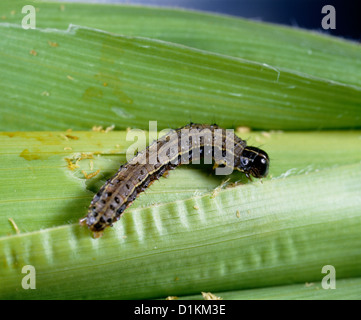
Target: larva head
[{"x": 254, "y": 161}]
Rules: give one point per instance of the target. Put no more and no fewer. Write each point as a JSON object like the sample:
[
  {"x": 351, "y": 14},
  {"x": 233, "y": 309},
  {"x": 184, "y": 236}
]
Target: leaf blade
[
  {"x": 113, "y": 79},
  {"x": 287, "y": 230},
  {"x": 279, "y": 46}
]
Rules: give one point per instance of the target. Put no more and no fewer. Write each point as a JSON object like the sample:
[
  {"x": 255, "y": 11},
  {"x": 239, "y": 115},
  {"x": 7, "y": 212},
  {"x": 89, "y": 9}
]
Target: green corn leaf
[
  {"x": 294, "y": 49},
  {"x": 194, "y": 238},
  {"x": 192, "y": 232},
  {"x": 94, "y": 77},
  {"x": 346, "y": 289}
]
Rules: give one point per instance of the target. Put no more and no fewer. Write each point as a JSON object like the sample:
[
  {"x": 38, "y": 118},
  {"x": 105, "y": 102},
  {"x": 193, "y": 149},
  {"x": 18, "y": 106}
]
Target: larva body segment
[{"x": 181, "y": 146}]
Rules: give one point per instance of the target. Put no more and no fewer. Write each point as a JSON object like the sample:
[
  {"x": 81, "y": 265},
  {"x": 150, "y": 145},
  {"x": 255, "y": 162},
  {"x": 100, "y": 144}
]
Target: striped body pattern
[{"x": 190, "y": 143}]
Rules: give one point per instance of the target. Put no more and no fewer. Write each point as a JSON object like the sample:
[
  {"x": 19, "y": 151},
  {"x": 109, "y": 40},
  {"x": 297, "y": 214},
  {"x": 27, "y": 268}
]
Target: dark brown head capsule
[{"x": 254, "y": 161}]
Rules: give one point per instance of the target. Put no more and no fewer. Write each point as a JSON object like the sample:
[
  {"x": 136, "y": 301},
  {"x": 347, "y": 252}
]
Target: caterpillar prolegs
[{"x": 190, "y": 143}]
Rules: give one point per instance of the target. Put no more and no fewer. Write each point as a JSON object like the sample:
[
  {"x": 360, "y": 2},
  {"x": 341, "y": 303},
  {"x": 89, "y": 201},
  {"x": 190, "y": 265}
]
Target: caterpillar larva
[{"x": 181, "y": 146}]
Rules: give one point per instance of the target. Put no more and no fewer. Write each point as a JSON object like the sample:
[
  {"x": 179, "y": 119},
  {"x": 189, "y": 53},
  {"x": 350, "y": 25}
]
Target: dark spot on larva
[
  {"x": 153, "y": 177},
  {"x": 146, "y": 183},
  {"x": 109, "y": 221},
  {"x": 100, "y": 192},
  {"x": 111, "y": 207},
  {"x": 110, "y": 194},
  {"x": 98, "y": 226},
  {"x": 116, "y": 199},
  {"x": 161, "y": 171},
  {"x": 133, "y": 196},
  {"x": 121, "y": 209},
  {"x": 190, "y": 154},
  {"x": 127, "y": 186}
]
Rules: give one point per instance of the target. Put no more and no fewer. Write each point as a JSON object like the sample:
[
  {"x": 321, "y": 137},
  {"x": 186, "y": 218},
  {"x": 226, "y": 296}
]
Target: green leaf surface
[
  {"x": 275, "y": 232},
  {"x": 346, "y": 289},
  {"x": 281, "y": 47},
  {"x": 94, "y": 77},
  {"x": 193, "y": 232}
]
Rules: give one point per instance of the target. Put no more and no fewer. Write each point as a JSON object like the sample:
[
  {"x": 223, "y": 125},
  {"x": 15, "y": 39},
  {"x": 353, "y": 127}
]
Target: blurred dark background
[{"x": 299, "y": 13}]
